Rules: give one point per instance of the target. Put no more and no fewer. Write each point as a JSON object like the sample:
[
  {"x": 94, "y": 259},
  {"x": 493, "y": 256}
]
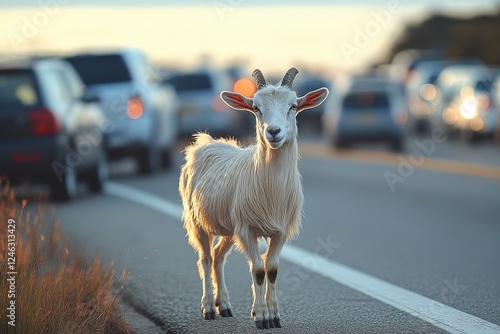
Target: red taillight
[
  {"x": 25, "y": 157},
  {"x": 400, "y": 117},
  {"x": 135, "y": 108},
  {"x": 43, "y": 122}
]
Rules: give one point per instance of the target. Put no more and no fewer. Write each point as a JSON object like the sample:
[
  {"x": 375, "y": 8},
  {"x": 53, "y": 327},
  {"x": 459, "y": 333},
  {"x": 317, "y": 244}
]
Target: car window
[
  {"x": 484, "y": 86},
  {"x": 366, "y": 100},
  {"x": 190, "y": 82},
  {"x": 17, "y": 88},
  {"x": 56, "y": 86},
  {"x": 101, "y": 69},
  {"x": 73, "y": 88}
]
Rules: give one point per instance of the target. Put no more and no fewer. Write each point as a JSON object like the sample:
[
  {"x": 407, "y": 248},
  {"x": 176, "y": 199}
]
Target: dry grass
[{"x": 58, "y": 289}]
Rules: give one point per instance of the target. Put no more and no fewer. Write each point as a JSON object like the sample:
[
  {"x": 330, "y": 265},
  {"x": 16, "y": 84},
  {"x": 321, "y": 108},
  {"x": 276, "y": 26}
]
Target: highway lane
[
  {"x": 164, "y": 284},
  {"x": 437, "y": 234}
]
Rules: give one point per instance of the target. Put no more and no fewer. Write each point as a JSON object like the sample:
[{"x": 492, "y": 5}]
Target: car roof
[
  {"x": 29, "y": 63},
  {"x": 104, "y": 52},
  {"x": 372, "y": 83},
  {"x": 16, "y": 64}
]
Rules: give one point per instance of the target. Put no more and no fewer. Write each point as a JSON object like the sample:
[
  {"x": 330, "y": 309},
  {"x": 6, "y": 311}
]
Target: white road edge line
[{"x": 431, "y": 311}]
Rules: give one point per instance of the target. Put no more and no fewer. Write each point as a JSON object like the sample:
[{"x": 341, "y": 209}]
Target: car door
[{"x": 86, "y": 119}]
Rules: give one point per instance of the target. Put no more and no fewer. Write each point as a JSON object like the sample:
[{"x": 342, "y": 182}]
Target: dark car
[
  {"x": 304, "y": 86},
  {"x": 141, "y": 112},
  {"x": 48, "y": 132}
]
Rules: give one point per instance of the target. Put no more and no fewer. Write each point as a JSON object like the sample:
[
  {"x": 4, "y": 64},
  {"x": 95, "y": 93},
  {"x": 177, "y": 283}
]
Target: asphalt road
[{"x": 436, "y": 234}]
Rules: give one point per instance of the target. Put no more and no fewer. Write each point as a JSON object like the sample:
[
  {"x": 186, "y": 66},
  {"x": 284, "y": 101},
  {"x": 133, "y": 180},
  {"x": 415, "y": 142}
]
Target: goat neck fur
[{"x": 234, "y": 190}]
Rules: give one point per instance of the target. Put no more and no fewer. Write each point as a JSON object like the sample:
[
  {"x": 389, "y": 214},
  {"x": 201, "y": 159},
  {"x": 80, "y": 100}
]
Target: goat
[{"x": 243, "y": 193}]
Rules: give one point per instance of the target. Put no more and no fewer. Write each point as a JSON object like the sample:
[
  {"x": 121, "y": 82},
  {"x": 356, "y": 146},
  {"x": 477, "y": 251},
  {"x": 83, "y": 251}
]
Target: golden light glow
[
  {"x": 450, "y": 116},
  {"x": 483, "y": 101},
  {"x": 245, "y": 87},
  {"x": 466, "y": 92},
  {"x": 428, "y": 92},
  {"x": 135, "y": 108},
  {"x": 477, "y": 124}
]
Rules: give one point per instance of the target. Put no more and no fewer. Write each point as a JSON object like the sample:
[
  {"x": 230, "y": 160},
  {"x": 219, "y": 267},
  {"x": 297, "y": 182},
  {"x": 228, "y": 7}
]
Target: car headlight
[{"x": 468, "y": 108}]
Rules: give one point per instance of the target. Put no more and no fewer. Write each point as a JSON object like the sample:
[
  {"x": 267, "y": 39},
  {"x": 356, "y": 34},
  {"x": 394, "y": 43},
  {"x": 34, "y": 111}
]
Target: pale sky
[{"x": 327, "y": 37}]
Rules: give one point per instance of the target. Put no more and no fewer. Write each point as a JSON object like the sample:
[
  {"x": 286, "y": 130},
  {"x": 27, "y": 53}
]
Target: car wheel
[
  {"x": 166, "y": 158},
  {"x": 340, "y": 143},
  {"x": 99, "y": 173},
  {"x": 397, "y": 145},
  {"x": 65, "y": 189},
  {"x": 149, "y": 160}
]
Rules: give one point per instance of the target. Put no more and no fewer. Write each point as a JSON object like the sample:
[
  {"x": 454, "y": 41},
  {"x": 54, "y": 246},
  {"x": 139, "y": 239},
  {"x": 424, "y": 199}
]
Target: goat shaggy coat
[
  {"x": 228, "y": 190},
  {"x": 243, "y": 193}
]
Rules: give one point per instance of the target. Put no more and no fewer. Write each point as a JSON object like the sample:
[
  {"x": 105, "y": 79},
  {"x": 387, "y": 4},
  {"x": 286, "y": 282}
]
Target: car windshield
[
  {"x": 190, "y": 82},
  {"x": 17, "y": 88},
  {"x": 484, "y": 85},
  {"x": 101, "y": 69},
  {"x": 366, "y": 100}
]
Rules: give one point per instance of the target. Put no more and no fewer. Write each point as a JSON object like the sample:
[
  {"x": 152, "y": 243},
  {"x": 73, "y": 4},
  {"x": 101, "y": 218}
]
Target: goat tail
[{"x": 203, "y": 138}]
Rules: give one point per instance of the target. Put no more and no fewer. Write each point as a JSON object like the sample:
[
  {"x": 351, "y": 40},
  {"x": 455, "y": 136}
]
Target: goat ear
[
  {"x": 237, "y": 101},
  {"x": 312, "y": 99}
]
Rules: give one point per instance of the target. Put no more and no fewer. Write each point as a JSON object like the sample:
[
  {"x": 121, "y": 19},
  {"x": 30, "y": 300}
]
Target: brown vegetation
[{"x": 58, "y": 290}]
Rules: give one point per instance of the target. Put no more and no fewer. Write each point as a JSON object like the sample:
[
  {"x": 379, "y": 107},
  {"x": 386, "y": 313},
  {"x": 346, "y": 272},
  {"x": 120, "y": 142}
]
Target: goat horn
[
  {"x": 289, "y": 76},
  {"x": 259, "y": 78}
]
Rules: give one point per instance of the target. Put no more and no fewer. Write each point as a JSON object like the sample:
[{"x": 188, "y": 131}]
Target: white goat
[{"x": 243, "y": 193}]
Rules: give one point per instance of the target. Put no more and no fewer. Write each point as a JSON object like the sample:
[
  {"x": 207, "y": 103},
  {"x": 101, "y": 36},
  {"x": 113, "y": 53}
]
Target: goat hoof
[
  {"x": 262, "y": 324},
  {"x": 209, "y": 315},
  {"x": 226, "y": 313},
  {"x": 277, "y": 322}
]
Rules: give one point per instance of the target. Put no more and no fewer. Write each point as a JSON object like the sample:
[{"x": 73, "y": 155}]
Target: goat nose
[{"x": 273, "y": 130}]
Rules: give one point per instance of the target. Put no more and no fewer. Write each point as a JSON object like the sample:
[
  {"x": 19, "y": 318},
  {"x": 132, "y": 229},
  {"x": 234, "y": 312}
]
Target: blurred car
[
  {"x": 201, "y": 108},
  {"x": 141, "y": 113},
  {"x": 496, "y": 101},
  {"x": 472, "y": 109},
  {"x": 371, "y": 110},
  {"x": 49, "y": 131},
  {"x": 302, "y": 87},
  {"x": 425, "y": 95}
]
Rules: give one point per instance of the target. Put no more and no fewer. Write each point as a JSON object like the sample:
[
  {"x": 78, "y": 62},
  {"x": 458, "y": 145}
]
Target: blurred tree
[{"x": 476, "y": 37}]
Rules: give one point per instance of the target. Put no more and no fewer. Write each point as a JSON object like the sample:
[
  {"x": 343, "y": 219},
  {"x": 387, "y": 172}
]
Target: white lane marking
[
  {"x": 431, "y": 311},
  {"x": 436, "y": 313},
  {"x": 138, "y": 196}
]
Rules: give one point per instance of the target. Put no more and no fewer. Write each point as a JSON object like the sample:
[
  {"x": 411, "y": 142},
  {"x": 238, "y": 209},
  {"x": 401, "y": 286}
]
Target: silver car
[
  {"x": 371, "y": 110},
  {"x": 201, "y": 108},
  {"x": 141, "y": 113}
]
